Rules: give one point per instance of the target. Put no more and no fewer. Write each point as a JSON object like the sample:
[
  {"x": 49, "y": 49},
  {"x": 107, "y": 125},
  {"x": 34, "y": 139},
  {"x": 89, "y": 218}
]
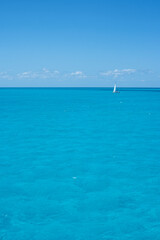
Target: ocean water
[{"x": 79, "y": 164}]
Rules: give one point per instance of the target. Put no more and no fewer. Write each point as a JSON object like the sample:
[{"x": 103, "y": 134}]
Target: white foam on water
[{"x": 74, "y": 177}]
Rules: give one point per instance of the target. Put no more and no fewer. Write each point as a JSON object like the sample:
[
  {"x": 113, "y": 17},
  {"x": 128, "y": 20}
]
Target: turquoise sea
[{"x": 79, "y": 164}]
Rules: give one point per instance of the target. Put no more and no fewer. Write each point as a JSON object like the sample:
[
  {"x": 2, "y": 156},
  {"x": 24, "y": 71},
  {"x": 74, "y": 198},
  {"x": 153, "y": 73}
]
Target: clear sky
[{"x": 79, "y": 43}]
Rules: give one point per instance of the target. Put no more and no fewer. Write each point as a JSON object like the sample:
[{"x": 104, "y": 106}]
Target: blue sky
[{"x": 64, "y": 43}]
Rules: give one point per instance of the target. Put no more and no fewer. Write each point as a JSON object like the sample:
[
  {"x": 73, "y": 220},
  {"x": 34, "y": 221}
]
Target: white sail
[{"x": 114, "y": 90}]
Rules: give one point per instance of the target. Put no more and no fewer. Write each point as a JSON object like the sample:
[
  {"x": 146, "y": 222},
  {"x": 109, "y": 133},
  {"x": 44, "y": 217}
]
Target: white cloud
[
  {"x": 56, "y": 72},
  {"x": 129, "y": 70},
  {"x": 77, "y": 73},
  {"x": 50, "y": 72},
  {"x": 43, "y": 74},
  {"x": 45, "y": 70},
  {"x": 5, "y": 75},
  {"x": 115, "y": 73},
  {"x": 25, "y": 75}
]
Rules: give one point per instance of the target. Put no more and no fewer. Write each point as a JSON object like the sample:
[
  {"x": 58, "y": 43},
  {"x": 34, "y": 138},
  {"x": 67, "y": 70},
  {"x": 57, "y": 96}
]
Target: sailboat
[{"x": 114, "y": 89}]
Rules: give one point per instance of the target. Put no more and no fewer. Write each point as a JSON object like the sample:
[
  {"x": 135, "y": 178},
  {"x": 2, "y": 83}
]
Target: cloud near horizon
[
  {"x": 116, "y": 72},
  {"x": 5, "y": 75},
  {"x": 43, "y": 74},
  {"x": 78, "y": 74},
  {"x": 46, "y": 74}
]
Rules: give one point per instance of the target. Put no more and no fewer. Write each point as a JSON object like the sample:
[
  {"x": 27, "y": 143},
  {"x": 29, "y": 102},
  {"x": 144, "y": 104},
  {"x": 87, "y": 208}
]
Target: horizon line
[{"x": 83, "y": 87}]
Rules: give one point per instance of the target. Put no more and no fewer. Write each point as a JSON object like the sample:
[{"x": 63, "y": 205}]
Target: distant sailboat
[{"x": 114, "y": 89}]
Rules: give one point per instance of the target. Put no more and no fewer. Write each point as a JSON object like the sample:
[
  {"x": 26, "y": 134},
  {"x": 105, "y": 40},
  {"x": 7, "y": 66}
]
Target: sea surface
[{"x": 79, "y": 164}]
